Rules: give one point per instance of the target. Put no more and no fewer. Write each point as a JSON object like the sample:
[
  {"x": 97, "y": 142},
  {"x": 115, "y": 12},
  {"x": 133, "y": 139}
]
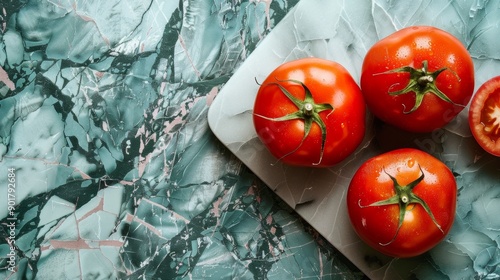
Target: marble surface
[
  {"x": 343, "y": 31},
  {"x": 108, "y": 168}
]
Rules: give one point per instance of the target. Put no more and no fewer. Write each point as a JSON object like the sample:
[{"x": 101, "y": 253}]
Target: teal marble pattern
[{"x": 108, "y": 169}]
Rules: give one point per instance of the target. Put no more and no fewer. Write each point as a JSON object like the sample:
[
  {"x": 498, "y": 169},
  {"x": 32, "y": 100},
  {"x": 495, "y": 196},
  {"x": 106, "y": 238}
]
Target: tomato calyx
[
  {"x": 404, "y": 197},
  {"x": 308, "y": 111},
  {"x": 421, "y": 81}
]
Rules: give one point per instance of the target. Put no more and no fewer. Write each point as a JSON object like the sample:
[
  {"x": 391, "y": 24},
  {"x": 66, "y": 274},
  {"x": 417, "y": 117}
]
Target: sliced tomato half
[{"x": 484, "y": 116}]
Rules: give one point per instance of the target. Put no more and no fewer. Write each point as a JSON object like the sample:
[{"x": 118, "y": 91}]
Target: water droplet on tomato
[
  {"x": 403, "y": 52},
  {"x": 423, "y": 43}
]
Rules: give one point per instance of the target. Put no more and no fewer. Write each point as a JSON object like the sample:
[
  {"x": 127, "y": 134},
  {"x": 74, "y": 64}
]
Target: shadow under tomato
[{"x": 388, "y": 138}]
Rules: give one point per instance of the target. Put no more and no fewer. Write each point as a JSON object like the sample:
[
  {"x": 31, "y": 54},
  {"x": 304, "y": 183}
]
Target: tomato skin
[
  {"x": 377, "y": 225},
  {"x": 329, "y": 83},
  {"x": 484, "y": 116},
  {"x": 412, "y": 46}
]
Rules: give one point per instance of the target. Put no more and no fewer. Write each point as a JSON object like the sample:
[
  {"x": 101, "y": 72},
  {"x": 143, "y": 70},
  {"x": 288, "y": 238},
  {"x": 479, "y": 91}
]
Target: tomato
[
  {"x": 310, "y": 112},
  {"x": 417, "y": 79},
  {"x": 402, "y": 202},
  {"x": 484, "y": 116}
]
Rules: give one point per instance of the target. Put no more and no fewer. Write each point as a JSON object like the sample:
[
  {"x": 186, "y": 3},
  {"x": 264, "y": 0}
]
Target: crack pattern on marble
[
  {"x": 103, "y": 110},
  {"x": 343, "y": 31}
]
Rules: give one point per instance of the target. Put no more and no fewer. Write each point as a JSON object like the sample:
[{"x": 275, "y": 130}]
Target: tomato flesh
[
  {"x": 490, "y": 115},
  {"x": 484, "y": 116}
]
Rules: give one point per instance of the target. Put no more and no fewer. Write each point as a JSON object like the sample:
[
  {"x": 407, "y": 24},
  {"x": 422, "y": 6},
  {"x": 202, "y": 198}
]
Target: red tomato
[
  {"x": 310, "y": 112},
  {"x": 403, "y": 202},
  {"x": 484, "y": 116},
  {"x": 418, "y": 78}
]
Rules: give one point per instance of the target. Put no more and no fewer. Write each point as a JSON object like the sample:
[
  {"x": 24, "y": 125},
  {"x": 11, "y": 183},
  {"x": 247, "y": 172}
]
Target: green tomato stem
[
  {"x": 420, "y": 83},
  {"x": 308, "y": 111},
  {"x": 424, "y": 80},
  {"x": 403, "y": 197}
]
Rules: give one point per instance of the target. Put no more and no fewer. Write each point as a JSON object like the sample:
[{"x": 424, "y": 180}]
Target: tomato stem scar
[
  {"x": 308, "y": 109},
  {"x": 424, "y": 80}
]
